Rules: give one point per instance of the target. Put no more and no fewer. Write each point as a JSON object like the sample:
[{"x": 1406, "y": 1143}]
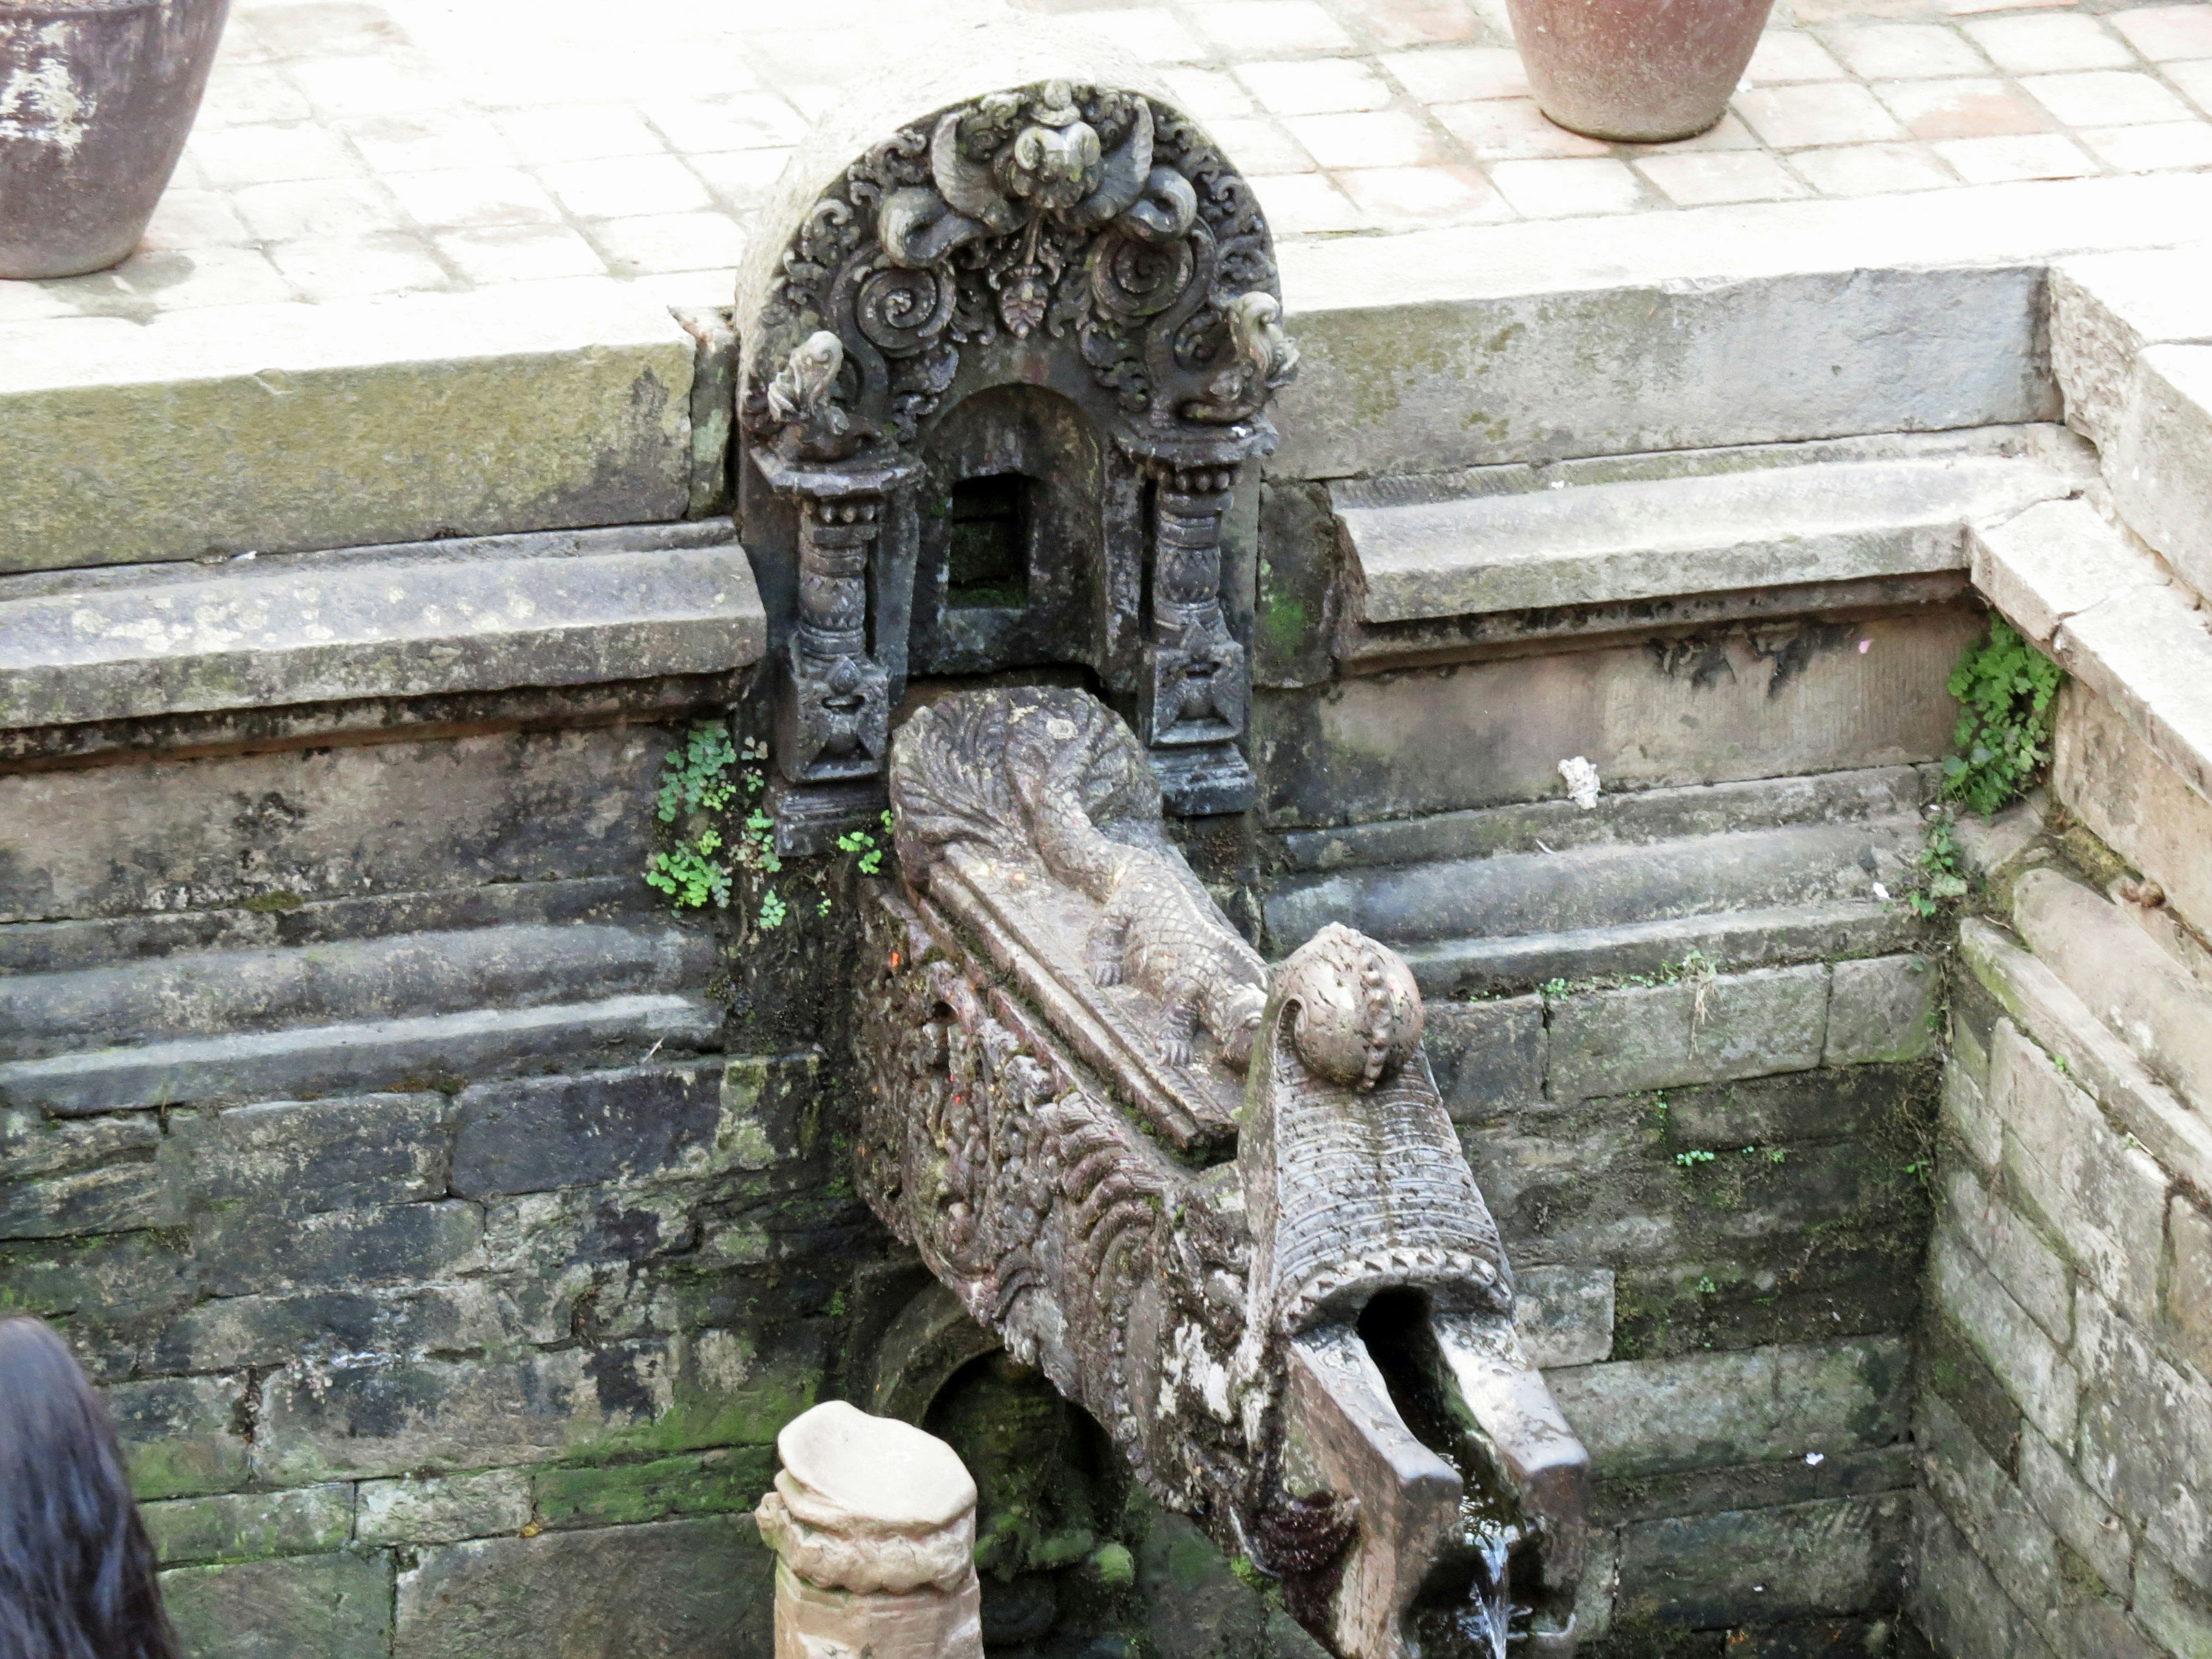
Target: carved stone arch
[{"x": 1040, "y": 216}]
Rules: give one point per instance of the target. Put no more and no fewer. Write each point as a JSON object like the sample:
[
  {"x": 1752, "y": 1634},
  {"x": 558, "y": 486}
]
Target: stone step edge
[
  {"x": 353, "y": 1055},
  {"x": 1726, "y": 532},
  {"x": 2075, "y": 585},
  {"x": 489, "y": 614},
  {"x": 235, "y": 993},
  {"x": 1856, "y": 794},
  {"x": 2049, "y": 1010},
  {"x": 1733, "y": 942}
]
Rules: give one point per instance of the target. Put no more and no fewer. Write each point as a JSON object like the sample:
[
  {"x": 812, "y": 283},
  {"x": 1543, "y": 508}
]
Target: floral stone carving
[
  {"x": 1062, "y": 234},
  {"x": 1220, "y": 1205}
]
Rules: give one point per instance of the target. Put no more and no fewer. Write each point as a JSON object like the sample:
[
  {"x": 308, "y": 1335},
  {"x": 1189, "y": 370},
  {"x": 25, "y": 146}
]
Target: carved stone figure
[
  {"x": 1064, "y": 234},
  {"x": 1281, "y": 1292},
  {"x": 874, "y": 1525}
]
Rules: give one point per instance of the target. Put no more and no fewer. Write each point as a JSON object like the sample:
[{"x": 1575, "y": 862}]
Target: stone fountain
[{"x": 1006, "y": 375}]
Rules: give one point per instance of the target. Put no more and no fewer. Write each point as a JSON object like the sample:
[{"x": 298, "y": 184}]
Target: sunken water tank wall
[{"x": 453, "y": 1218}]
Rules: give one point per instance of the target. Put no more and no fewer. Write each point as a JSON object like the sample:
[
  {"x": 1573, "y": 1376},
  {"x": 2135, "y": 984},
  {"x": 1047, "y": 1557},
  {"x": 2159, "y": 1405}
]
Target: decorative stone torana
[
  {"x": 874, "y": 1525},
  {"x": 1062, "y": 235},
  {"x": 1220, "y": 1207}
]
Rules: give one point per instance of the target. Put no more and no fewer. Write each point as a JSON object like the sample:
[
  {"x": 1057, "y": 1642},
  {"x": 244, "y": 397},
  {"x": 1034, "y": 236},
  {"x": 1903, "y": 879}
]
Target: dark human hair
[{"x": 76, "y": 1570}]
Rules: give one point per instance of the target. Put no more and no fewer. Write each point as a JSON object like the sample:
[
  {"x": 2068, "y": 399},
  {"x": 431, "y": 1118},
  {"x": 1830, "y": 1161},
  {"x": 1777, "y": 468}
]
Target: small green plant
[
  {"x": 2004, "y": 735},
  {"x": 773, "y": 910},
  {"x": 1940, "y": 878},
  {"x": 1690, "y": 1159},
  {"x": 701, "y": 782},
  {"x": 1706, "y": 1287}
]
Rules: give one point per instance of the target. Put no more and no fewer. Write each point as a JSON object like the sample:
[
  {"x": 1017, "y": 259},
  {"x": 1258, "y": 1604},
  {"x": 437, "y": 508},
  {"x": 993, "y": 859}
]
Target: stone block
[
  {"x": 726, "y": 1479},
  {"x": 31, "y": 1145},
  {"x": 2178, "y": 1614},
  {"x": 295, "y": 1158},
  {"x": 533, "y": 1134},
  {"x": 1294, "y": 628},
  {"x": 350, "y": 1419},
  {"x": 1710, "y": 1410},
  {"x": 2027, "y": 1264},
  {"x": 243, "y": 1252},
  {"x": 2131, "y": 798},
  {"x": 1574, "y": 537},
  {"x": 2159, "y": 462},
  {"x": 124, "y": 1276},
  {"x": 332, "y": 1607},
  {"x": 181, "y": 1435},
  {"x": 2037, "y": 1374},
  {"x": 2146, "y": 653},
  {"x": 330, "y": 823},
  {"x": 2105, "y": 309},
  {"x": 673, "y": 1590},
  {"x": 1711, "y": 708},
  {"x": 1853, "y": 1105},
  {"x": 1623, "y": 367},
  {"x": 1486, "y": 1054},
  {"x": 437, "y": 619},
  {"x": 436, "y": 1510},
  {"x": 273, "y": 427},
  {"x": 1956, "y": 1600},
  {"x": 231, "y": 1333},
  {"x": 249, "y": 1526},
  {"x": 2103, "y": 1200},
  {"x": 1614, "y": 1043},
  {"x": 2002, "y": 1527},
  {"x": 1564, "y": 1314},
  {"x": 765, "y": 1098},
  {"x": 2110, "y": 960},
  {"x": 2054, "y": 561},
  {"x": 127, "y": 1195},
  {"x": 1974, "y": 1129},
  {"x": 2189, "y": 1282},
  {"x": 2144, "y": 1422},
  {"x": 2075, "y": 1513},
  {"x": 1952, "y": 1370},
  {"x": 1883, "y": 1009},
  {"x": 1753, "y": 1566}
]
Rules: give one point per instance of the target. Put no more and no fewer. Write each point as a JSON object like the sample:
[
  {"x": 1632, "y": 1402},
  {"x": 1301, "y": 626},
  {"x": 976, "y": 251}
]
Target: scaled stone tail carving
[{"x": 1280, "y": 1292}]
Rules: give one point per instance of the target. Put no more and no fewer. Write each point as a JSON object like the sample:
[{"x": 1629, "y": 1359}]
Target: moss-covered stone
[
  {"x": 336, "y": 1605},
  {"x": 249, "y": 1526},
  {"x": 623, "y": 1494}
]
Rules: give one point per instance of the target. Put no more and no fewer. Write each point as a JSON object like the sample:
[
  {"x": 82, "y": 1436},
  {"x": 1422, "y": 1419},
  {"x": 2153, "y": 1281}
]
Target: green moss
[
  {"x": 622, "y": 1494},
  {"x": 1115, "y": 1566},
  {"x": 268, "y": 903}
]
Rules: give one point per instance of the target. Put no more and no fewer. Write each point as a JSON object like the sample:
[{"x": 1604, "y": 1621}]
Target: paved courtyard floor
[{"x": 351, "y": 149}]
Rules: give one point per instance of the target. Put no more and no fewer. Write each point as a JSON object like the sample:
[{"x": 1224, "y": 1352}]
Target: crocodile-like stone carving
[{"x": 1249, "y": 1282}]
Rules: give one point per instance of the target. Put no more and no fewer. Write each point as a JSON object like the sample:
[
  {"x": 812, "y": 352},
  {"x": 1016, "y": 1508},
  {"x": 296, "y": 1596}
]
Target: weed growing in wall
[
  {"x": 2003, "y": 739},
  {"x": 701, "y": 785}
]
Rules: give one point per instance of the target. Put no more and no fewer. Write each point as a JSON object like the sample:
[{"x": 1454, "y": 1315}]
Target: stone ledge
[
  {"x": 2052, "y": 563},
  {"x": 2048, "y": 1009},
  {"x": 2105, "y": 310},
  {"x": 1831, "y": 514},
  {"x": 2159, "y": 460},
  {"x": 288, "y": 426},
  {"x": 1759, "y": 324},
  {"x": 428, "y": 619}
]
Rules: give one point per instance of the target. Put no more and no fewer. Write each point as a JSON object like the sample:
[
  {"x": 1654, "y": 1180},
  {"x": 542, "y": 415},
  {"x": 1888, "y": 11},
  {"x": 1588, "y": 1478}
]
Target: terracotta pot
[
  {"x": 1638, "y": 71},
  {"x": 96, "y": 98}
]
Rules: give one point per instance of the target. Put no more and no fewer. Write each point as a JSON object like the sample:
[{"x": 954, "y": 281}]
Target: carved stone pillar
[
  {"x": 873, "y": 1525},
  {"x": 833, "y": 706},
  {"x": 1198, "y": 687}
]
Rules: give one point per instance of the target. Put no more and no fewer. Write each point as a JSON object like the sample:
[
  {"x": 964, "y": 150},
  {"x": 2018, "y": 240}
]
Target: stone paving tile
[{"x": 388, "y": 147}]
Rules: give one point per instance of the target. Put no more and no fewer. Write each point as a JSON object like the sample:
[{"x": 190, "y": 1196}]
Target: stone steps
[
  {"x": 310, "y": 1060},
  {"x": 1521, "y": 537},
  {"x": 1631, "y": 888},
  {"x": 400, "y": 977}
]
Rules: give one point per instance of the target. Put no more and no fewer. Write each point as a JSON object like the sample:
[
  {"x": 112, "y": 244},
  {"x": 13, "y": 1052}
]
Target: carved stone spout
[{"x": 1220, "y": 1205}]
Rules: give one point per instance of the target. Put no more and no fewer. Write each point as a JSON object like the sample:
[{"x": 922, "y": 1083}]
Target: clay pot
[
  {"x": 96, "y": 98},
  {"x": 1638, "y": 71}
]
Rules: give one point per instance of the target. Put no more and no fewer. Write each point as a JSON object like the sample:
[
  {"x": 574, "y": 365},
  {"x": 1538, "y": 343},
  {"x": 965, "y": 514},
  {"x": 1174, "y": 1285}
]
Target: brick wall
[{"x": 2065, "y": 1419}]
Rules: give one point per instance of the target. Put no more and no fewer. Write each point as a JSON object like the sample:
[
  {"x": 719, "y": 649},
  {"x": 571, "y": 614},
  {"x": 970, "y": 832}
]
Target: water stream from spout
[{"x": 1466, "y": 1609}]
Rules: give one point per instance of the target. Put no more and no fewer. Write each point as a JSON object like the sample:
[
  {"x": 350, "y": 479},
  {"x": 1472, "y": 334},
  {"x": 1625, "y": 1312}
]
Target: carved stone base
[
  {"x": 1207, "y": 778},
  {"x": 810, "y": 817}
]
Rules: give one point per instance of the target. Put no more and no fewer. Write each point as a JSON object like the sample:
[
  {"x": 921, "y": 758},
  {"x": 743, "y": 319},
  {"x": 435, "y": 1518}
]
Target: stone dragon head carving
[{"x": 1220, "y": 1205}]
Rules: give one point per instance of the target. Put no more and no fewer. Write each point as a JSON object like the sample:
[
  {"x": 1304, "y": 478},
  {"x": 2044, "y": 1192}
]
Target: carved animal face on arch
[{"x": 1086, "y": 219}]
